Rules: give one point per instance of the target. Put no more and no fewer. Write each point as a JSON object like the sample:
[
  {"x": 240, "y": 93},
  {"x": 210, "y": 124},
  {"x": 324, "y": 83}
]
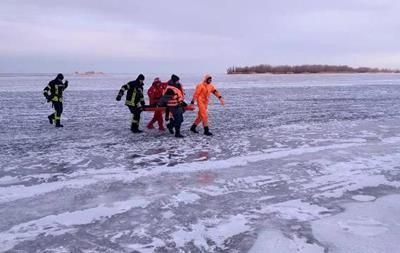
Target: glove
[
  {"x": 183, "y": 104},
  {"x": 192, "y": 102},
  {"x": 49, "y": 98},
  {"x": 118, "y": 98},
  {"x": 66, "y": 82},
  {"x": 222, "y": 101}
]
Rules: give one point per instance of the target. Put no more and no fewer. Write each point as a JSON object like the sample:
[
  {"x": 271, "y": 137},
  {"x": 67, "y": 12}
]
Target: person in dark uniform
[
  {"x": 134, "y": 100},
  {"x": 54, "y": 93},
  {"x": 173, "y": 98}
]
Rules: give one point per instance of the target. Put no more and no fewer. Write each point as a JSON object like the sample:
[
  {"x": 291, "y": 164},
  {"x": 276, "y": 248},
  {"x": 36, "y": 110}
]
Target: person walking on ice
[
  {"x": 134, "y": 100},
  {"x": 53, "y": 92},
  {"x": 155, "y": 92},
  {"x": 173, "y": 99},
  {"x": 202, "y": 96}
]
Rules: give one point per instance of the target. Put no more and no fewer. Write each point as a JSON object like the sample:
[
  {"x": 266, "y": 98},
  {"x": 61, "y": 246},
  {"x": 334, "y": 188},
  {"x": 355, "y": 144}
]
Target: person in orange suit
[
  {"x": 202, "y": 96},
  {"x": 155, "y": 92}
]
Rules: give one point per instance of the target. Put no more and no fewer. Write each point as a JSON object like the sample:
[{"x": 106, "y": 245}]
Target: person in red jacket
[{"x": 155, "y": 92}]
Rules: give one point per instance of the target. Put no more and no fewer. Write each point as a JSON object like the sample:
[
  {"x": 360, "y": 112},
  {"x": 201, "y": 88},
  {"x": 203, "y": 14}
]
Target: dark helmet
[
  {"x": 174, "y": 78},
  {"x": 60, "y": 76},
  {"x": 140, "y": 77}
]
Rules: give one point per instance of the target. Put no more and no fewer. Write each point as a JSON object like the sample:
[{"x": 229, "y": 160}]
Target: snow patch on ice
[
  {"x": 9, "y": 180},
  {"x": 216, "y": 230},
  {"x": 362, "y": 227},
  {"x": 93, "y": 176},
  {"x": 16, "y": 192},
  {"x": 147, "y": 248},
  {"x": 243, "y": 160},
  {"x": 64, "y": 222},
  {"x": 392, "y": 140},
  {"x": 275, "y": 241},
  {"x": 338, "y": 178},
  {"x": 187, "y": 197},
  {"x": 296, "y": 209},
  {"x": 363, "y": 198}
]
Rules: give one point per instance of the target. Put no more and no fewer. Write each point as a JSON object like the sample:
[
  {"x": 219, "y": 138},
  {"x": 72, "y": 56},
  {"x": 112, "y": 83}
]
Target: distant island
[
  {"x": 88, "y": 73},
  {"x": 304, "y": 69}
]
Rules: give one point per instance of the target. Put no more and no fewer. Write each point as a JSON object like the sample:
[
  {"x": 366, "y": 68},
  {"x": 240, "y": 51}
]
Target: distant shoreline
[
  {"x": 307, "y": 69},
  {"x": 322, "y": 73}
]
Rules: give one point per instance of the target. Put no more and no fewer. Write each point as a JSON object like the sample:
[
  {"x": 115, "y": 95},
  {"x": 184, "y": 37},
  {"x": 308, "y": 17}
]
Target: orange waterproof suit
[{"x": 202, "y": 96}]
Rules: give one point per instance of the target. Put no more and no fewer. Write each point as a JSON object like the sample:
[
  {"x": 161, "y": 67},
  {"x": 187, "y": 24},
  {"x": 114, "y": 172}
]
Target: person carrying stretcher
[
  {"x": 173, "y": 99},
  {"x": 155, "y": 92},
  {"x": 202, "y": 96},
  {"x": 134, "y": 100}
]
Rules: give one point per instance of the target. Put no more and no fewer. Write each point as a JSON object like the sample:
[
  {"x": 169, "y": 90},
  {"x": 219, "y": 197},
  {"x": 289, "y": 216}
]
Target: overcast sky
[{"x": 185, "y": 36}]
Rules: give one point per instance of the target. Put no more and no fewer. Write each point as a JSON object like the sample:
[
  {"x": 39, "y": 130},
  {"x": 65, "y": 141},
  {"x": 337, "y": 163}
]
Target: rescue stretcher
[{"x": 154, "y": 109}]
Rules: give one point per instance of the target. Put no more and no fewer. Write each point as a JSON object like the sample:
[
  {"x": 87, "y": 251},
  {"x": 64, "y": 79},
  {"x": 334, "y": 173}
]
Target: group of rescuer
[{"x": 164, "y": 97}]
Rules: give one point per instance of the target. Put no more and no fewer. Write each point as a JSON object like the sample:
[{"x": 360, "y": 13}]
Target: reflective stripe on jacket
[
  {"x": 176, "y": 98},
  {"x": 134, "y": 95},
  {"x": 54, "y": 90}
]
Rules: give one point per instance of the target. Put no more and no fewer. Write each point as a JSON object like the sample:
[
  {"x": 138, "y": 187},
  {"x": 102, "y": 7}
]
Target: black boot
[
  {"x": 170, "y": 127},
  {"x": 58, "y": 124},
  {"x": 50, "y": 117},
  {"x": 193, "y": 129},
  {"x": 178, "y": 132},
  {"x": 207, "y": 131},
  {"x": 135, "y": 129}
]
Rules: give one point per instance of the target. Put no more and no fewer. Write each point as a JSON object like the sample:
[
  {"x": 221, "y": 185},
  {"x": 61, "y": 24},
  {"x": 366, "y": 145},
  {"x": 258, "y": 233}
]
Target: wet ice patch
[
  {"x": 362, "y": 227},
  {"x": 274, "y": 241}
]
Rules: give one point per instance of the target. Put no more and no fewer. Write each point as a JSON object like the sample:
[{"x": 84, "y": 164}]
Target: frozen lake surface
[{"x": 298, "y": 163}]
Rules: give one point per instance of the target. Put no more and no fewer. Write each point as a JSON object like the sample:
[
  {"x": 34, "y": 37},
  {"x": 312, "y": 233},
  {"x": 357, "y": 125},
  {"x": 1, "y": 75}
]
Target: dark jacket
[
  {"x": 134, "y": 94},
  {"x": 54, "y": 90}
]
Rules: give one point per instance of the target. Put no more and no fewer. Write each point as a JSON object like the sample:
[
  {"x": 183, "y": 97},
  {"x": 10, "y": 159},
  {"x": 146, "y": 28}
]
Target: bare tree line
[{"x": 304, "y": 69}]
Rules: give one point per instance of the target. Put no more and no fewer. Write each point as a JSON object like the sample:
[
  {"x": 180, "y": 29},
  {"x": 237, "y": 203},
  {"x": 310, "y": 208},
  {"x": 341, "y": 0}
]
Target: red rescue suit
[{"x": 155, "y": 92}]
